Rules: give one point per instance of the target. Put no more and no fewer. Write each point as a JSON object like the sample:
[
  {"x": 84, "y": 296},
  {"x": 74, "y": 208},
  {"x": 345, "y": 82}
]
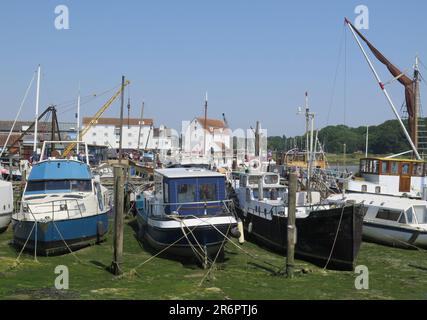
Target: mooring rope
[
  {"x": 243, "y": 250},
  {"x": 335, "y": 240},
  {"x": 216, "y": 257}
]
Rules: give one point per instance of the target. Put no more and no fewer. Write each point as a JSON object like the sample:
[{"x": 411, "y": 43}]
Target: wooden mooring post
[
  {"x": 119, "y": 188},
  {"x": 292, "y": 232}
]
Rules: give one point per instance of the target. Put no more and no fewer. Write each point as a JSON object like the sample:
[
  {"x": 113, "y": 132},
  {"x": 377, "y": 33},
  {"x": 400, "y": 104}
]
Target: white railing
[{"x": 50, "y": 208}]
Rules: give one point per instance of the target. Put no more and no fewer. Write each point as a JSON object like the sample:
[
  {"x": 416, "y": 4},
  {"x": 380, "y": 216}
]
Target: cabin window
[
  {"x": 166, "y": 193},
  {"x": 421, "y": 214},
  {"x": 186, "y": 193},
  {"x": 363, "y": 166},
  {"x": 364, "y": 188},
  {"x": 271, "y": 179},
  {"x": 410, "y": 216},
  {"x": 394, "y": 168},
  {"x": 384, "y": 167},
  {"x": 242, "y": 181},
  {"x": 81, "y": 185},
  {"x": 254, "y": 179},
  {"x": 207, "y": 192},
  {"x": 385, "y": 214},
  {"x": 375, "y": 166},
  {"x": 53, "y": 185},
  {"x": 417, "y": 169},
  {"x": 405, "y": 168},
  {"x": 402, "y": 218},
  {"x": 377, "y": 189}
]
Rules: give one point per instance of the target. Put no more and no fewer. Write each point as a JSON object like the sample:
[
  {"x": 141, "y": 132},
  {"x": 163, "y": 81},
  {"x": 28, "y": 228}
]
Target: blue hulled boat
[
  {"x": 187, "y": 213},
  {"x": 63, "y": 208}
]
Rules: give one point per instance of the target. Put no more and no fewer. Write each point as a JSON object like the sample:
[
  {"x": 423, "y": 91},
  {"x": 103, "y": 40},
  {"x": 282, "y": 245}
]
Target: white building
[
  {"x": 106, "y": 132},
  {"x": 165, "y": 139},
  {"x": 218, "y": 135}
]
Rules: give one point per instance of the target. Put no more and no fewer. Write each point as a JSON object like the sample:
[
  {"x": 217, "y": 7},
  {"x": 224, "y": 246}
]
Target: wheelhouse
[
  {"x": 392, "y": 176},
  {"x": 190, "y": 191},
  {"x": 59, "y": 176}
]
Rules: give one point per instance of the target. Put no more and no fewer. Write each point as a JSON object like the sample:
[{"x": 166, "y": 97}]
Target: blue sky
[{"x": 256, "y": 58}]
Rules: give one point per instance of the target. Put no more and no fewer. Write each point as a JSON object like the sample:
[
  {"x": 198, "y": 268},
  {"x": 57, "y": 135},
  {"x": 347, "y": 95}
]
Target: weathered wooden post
[
  {"x": 292, "y": 195},
  {"x": 119, "y": 186}
]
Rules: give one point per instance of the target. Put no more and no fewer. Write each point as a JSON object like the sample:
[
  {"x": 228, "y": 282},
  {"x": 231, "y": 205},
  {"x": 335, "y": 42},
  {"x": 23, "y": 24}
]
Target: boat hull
[
  {"x": 394, "y": 236},
  {"x": 5, "y": 219},
  {"x": 161, "y": 235},
  {"x": 52, "y": 238},
  {"x": 317, "y": 238}
]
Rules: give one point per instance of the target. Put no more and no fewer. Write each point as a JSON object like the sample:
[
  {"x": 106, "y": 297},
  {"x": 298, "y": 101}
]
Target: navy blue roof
[{"x": 60, "y": 170}]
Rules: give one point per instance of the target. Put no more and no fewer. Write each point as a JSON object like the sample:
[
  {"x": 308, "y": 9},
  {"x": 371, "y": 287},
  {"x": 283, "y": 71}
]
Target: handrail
[
  {"x": 223, "y": 205},
  {"x": 53, "y": 204}
]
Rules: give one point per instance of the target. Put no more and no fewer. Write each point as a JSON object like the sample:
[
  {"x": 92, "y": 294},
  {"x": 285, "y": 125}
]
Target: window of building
[
  {"x": 377, "y": 189},
  {"x": 106, "y": 143},
  {"x": 106, "y": 134},
  {"x": 129, "y": 134},
  {"x": 207, "y": 192},
  {"x": 94, "y": 133},
  {"x": 364, "y": 188},
  {"x": 186, "y": 193},
  {"x": 390, "y": 215}
]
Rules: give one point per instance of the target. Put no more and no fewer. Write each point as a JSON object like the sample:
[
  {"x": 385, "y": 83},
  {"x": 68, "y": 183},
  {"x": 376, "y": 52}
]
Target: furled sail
[{"x": 402, "y": 78}]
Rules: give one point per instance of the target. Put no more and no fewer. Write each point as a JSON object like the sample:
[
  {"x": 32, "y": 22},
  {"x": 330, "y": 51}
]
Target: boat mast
[
  {"x": 367, "y": 141},
  {"x": 78, "y": 121},
  {"x": 206, "y": 124},
  {"x": 307, "y": 123},
  {"x": 257, "y": 142},
  {"x": 37, "y": 109},
  {"x": 141, "y": 122},
  {"x": 384, "y": 90},
  {"x": 417, "y": 109}
]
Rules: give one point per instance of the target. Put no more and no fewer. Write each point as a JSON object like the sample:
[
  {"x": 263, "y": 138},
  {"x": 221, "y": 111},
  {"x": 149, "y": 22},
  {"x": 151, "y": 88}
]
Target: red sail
[{"x": 403, "y": 79}]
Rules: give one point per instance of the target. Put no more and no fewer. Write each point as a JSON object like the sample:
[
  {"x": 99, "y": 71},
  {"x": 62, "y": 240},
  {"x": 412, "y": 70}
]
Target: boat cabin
[
  {"x": 391, "y": 176},
  {"x": 189, "y": 191},
  {"x": 269, "y": 183},
  {"x": 59, "y": 176}
]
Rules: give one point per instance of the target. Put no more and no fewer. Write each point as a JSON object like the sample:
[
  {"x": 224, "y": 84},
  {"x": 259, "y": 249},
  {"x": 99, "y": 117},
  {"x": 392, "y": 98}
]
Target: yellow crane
[{"x": 95, "y": 118}]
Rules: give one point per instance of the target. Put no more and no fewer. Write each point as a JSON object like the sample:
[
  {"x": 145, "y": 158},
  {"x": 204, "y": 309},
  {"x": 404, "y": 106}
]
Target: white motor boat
[
  {"x": 6, "y": 204},
  {"x": 390, "y": 220}
]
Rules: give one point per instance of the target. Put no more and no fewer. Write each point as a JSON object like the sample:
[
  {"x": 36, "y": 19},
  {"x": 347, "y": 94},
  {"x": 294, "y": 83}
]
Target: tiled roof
[
  {"x": 211, "y": 123},
  {"x": 116, "y": 121}
]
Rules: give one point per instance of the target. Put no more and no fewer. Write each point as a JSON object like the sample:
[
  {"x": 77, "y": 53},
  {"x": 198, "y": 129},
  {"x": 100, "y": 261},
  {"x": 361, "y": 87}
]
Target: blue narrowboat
[{"x": 187, "y": 214}]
